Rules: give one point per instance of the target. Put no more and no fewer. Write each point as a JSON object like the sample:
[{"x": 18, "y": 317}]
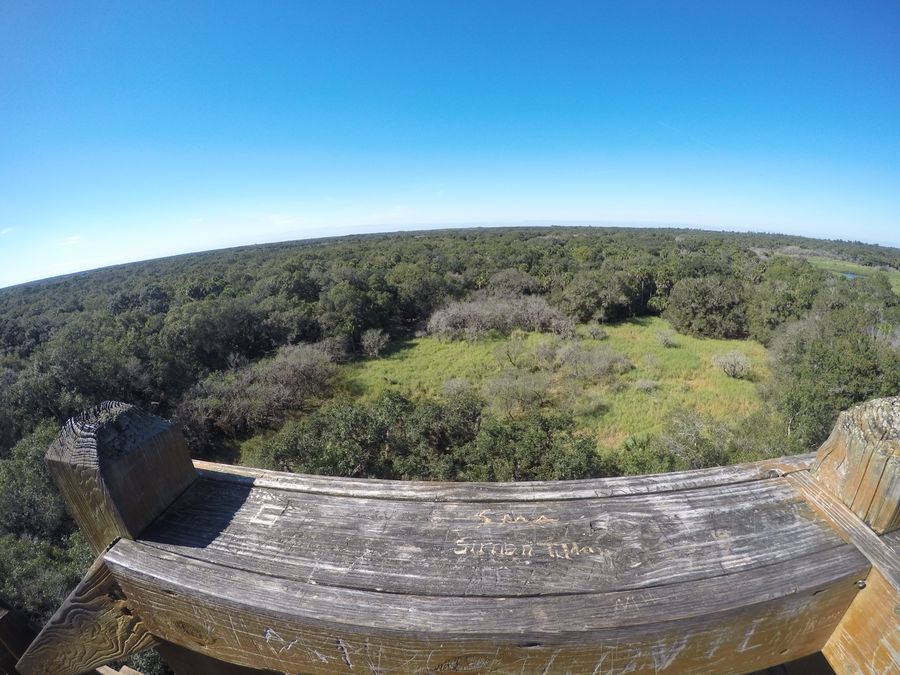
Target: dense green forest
[{"x": 253, "y": 350}]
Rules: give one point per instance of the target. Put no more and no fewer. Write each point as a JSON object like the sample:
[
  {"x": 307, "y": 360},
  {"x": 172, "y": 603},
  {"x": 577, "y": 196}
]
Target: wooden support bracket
[{"x": 94, "y": 626}]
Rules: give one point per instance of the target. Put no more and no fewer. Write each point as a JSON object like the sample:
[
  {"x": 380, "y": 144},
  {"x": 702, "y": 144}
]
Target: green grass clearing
[
  {"x": 842, "y": 267},
  {"x": 684, "y": 377}
]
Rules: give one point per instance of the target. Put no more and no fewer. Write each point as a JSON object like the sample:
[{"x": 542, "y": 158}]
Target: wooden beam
[
  {"x": 867, "y": 641},
  {"x": 187, "y": 662},
  {"x": 118, "y": 468},
  {"x": 94, "y": 626},
  {"x": 860, "y": 462}
]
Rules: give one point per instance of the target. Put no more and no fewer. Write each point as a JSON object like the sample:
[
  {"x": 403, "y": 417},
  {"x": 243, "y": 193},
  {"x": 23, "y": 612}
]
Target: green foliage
[
  {"x": 251, "y": 397},
  {"x": 452, "y": 439},
  {"x": 202, "y": 333},
  {"x": 607, "y": 294},
  {"x": 29, "y": 502},
  {"x": 41, "y": 558},
  {"x": 36, "y": 575},
  {"x": 708, "y": 307},
  {"x": 693, "y": 441},
  {"x": 537, "y": 446},
  {"x": 785, "y": 291},
  {"x": 846, "y": 352}
]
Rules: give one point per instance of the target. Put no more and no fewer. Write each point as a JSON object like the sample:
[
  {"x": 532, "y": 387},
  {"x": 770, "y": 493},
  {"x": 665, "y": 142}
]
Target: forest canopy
[{"x": 247, "y": 346}]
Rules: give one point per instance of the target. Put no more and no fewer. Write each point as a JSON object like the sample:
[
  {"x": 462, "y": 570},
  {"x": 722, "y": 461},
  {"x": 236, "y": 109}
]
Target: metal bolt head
[{"x": 860, "y": 584}]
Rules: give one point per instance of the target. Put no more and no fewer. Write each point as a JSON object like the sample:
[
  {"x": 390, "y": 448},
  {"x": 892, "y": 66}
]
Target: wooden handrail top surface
[{"x": 569, "y": 563}]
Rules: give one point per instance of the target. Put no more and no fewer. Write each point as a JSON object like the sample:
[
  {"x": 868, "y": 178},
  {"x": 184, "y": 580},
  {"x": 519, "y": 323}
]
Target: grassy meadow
[
  {"x": 843, "y": 267},
  {"x": 662, "y": 380}
]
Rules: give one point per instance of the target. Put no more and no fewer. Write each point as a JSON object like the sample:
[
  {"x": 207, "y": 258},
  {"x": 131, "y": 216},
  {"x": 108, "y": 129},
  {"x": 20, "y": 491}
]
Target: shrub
[
  {"x": 708, "y": 307},
  {"x": 733, "y": 364},
  {"x": 373, "y": 341},
  {"x": 666, "y": 338},
  {"x": 512, "y": 283},
  {"x": 514, "y": 390},
  {"x": 254, "y": 396},
  {"x": 646, "y": 386},
  {"x": 591, "y": 363},
  {"x": 596, "y": 331},
  {"x": 474, "y": 319}
]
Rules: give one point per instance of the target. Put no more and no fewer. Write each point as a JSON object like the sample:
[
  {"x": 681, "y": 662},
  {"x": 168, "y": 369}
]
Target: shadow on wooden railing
[{"x": 230, "y": 570}]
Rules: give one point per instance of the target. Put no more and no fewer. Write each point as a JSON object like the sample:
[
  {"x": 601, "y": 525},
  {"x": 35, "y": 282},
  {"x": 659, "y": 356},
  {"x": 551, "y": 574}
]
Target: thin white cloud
[
  {"x": 5, "y": 231},
  {"x": 395, "y": 212},
  {"x": 71, "y": 241},
  {"x": 281, "y": 219}
]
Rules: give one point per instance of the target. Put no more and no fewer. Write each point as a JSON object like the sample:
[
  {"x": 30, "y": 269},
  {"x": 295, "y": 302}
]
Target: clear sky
[{"x": 132, "y": 130}]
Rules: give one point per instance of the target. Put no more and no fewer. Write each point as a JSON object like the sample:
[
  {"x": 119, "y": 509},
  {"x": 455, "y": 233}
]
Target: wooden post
[
  {"x": 859, "y": 469},
  {"x": 860, "y": 462},
  {"x": 118, "y": 468}
]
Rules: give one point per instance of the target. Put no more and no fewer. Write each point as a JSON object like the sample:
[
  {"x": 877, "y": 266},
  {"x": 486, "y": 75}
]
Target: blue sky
[{"x": 133, "y": 130}]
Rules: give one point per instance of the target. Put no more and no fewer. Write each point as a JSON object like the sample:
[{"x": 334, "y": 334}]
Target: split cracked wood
[{"x": 723, "y": 570}]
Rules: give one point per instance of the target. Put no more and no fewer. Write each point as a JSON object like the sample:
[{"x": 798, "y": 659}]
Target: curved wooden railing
[{"x": 725, "y": 570}]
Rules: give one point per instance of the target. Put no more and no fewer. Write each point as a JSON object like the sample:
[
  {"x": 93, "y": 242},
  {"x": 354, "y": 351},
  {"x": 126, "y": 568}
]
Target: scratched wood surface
[{"x": 730, "y": 571}]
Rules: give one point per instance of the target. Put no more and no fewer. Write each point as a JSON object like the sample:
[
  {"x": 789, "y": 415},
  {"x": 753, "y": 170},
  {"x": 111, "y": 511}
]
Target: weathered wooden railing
[{"x": 725, "y": 570}]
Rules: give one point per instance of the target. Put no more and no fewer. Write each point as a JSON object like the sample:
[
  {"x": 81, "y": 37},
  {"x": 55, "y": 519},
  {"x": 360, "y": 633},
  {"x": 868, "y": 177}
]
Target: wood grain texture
[
  {"x": 725, "y": 624},
  {"x": 118, "y": 468},
  {"x": 94, "y": 626},
  {"x": 530, "y": 491},
  {"x": 882, "y": 552},
  {"x": 867, "y": 641},
  {"x": 860, "y": 462},
  {"x": 726, "y": 572},
  {"x": 492, "y": 548},
  {"x": 187, "y": 662}
]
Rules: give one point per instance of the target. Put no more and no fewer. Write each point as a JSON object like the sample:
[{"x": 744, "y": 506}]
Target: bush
[
  {"x": 512, "y": 283},
  {"x": 646, "y": 386},
  {"x": 515, "y": 391},
  {"x": 591, "y": 363},
  {"x": 841, "y": 355},
  {"x": 373, "y": 341},
  {"x": 596, "y": 331},
  {"x": 666, "y": 338},
  {"x": 733, "y": 364},
  {"x": 474, "y": 319},
  {"x": 451, "y": 439},
  {"x": 254, "y": 396},
  {"x": 708, "y": 307}
]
